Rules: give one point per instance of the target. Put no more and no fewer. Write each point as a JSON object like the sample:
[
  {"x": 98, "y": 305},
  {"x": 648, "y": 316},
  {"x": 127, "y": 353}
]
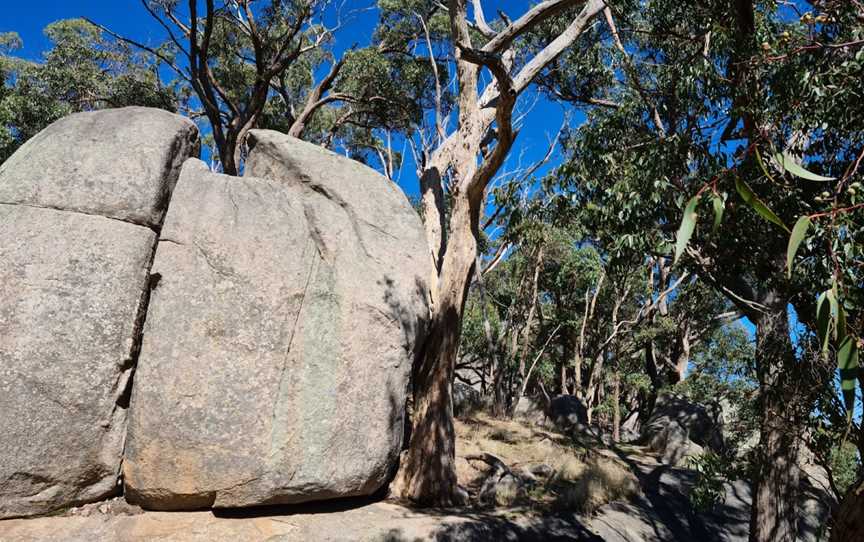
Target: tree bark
[
  {"x": 616, "y": 407},
  {"x": 849, "y": 518},
  {"x": 427, "y": 475},
  {"x": 773, "y": 515}
]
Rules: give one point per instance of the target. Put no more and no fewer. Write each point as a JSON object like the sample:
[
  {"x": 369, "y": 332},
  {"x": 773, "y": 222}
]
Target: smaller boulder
[
  {"x": 673, "y": 445},
  {"x": 503, "y": 490},
  {"x": 541, "y": 470},
  {"x": 530, "y": 410},
  {"x": 567, "y": 411},
  {"x": 466, "y": 400},
  {"x": 679, "y": 428}
]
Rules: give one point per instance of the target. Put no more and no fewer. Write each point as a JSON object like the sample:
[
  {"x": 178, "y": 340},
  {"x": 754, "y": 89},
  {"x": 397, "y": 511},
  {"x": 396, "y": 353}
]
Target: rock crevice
[{"x": 83, "y": 203}]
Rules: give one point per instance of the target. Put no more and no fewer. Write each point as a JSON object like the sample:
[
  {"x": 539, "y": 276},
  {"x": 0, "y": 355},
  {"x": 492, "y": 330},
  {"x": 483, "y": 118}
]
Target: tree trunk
[
  {"x": 564, "y": 390},
  {"x": 427, "y": 473},
  {"x": 773, "y": 516},
  {"x": 849, "y": 518},
  {"x": 529, "y": 323},
  {"x": 616, "y": 407},
  {"x": 434, "y": 219},
  {"x": 681, "y": 355},
  {"x": 577, "y": 374}
]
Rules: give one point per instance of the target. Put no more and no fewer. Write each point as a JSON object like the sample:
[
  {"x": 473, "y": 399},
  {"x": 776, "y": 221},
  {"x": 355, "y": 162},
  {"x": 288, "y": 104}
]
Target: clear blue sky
[{"x": 128, "y": 18}]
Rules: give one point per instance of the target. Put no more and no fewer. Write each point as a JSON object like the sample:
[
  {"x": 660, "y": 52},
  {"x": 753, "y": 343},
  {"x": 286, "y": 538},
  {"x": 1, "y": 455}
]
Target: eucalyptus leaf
[
  {"x": 847, "y": 364},
  {"x": 823, "y": 319},
  {"x": 719, "y": 206},
  {"x": 831, "y": 295},
  {"x": 788, "y": 164},
  {"x": 798, "y": 233},
  {"x": 753, "y": 201},
  {"x": 688, "y": 225}
]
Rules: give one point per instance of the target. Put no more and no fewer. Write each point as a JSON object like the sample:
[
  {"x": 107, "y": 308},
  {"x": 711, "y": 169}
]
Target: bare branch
[
  {"x": 439, "y": 123},
  {"x": 316, "y": 99},
  {"x": 533, "y": 17},
  {"x": 558, "y": 45},
  {"x": 143, "y": 47},
  {"x": 480, "y": 20},
  {"x": 633, "y": 73},
  {"x": 496, "y": 259}
]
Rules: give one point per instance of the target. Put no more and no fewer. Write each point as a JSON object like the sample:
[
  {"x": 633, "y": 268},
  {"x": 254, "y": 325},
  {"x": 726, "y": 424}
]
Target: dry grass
[
  {"x": 517, "y": 444},
  {"x": 601, "y": 481},
  {"x": 578, "y": 484}
]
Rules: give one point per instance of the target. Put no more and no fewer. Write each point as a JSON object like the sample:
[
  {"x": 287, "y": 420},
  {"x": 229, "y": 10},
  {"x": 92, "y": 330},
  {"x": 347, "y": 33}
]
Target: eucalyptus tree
[
  {"x": 274, "y": 64},
  {"x": 82, "y": 70},
  {"x": 462, "y": 161},
  {"x": 734, "y": 115}
]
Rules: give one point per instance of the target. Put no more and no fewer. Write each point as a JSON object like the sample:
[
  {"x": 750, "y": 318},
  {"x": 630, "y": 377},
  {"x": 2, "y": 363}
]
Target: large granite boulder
[
  {"x": 73, "y": 286},
  {"x": 279, "y": 337},
  {"x": 116, "y": 163}
]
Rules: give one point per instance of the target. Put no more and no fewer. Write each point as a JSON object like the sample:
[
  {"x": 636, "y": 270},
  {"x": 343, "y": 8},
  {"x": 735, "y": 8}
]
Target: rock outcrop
[
  {"x": 566, "y": 413},
  {"x": 270, "y": 325},
  {"x": 280, "y": 335},
  {"x": 466, "y": 399},
  {"x": 79, "y": 206},
  {"x": 678, "y": 428}
]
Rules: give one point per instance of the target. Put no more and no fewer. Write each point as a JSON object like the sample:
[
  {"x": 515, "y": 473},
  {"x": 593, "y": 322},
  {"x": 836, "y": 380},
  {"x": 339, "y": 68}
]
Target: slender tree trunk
[
  {"x": 577, "y": 373},
  {"x": 499, "y": 406},
  {"x": 774, "y": 515},
  {"x": 616, "y": 407},
  {"x": 682, "y": 355},
  {"x": 427, "y": 474},
  {"x": 564, "y": 390},
  {"x": 529, "y": 323}
]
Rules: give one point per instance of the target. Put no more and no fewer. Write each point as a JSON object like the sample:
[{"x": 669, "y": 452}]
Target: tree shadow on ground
[
  {"x": 665, "y": 505},
  {"x": 471, "y": 526}
]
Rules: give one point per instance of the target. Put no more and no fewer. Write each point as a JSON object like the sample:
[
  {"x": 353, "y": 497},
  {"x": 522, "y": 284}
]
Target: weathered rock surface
[
  {"x": 663, "y": 511},
  {"x": 72, "y": 290},
  {"x": 678, "y": 429},
  {"x": 530, "y": 409},
  {"x": 568, "y": 411},
  {"x": 466, "y": 399},
  {"x": 279, "y": 338},
  {"x": 117, "y": 163},
  {"x": 378, "y": 522},
  {"x": 70, "y": 286}
]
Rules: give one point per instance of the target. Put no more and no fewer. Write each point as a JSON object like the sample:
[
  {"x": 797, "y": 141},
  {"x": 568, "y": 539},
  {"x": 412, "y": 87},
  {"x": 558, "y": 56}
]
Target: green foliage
[
  {"x": 787, "y": 164},
  {"x": 691, "y": 116},
  {"x": 799, "y": 231},
  {"x": 845, "y": 466},
  {"x": 708, "y": 489},
  {"x": 751, "y": 199},
  {"x": 81, "y": 71}
]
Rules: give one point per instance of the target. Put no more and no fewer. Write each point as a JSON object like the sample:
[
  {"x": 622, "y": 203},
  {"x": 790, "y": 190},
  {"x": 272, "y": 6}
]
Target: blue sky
[{"x": 128, "y": 18}]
